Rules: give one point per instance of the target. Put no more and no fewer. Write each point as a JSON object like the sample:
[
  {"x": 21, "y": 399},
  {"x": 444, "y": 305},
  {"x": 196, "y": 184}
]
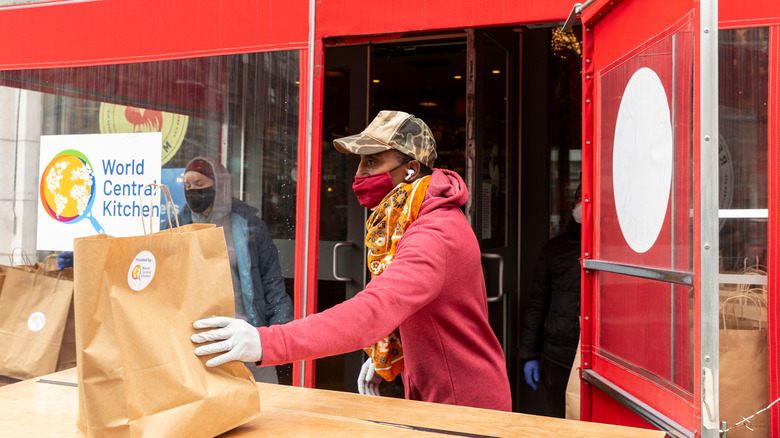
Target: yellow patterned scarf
[{"x": 391, "y": 218}]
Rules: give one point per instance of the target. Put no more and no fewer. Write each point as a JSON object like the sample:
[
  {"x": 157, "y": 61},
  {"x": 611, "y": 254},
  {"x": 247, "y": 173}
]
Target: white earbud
[{"x": 409, "y": 173}]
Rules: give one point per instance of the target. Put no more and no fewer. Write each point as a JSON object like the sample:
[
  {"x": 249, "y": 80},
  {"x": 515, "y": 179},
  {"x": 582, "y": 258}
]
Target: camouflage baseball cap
[{"x": 392, "y": 130}]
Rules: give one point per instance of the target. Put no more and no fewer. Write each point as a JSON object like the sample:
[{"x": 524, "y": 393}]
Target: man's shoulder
[
  {"x": 447, "y": 224},
  {"x": 445, "y": 217},
  {"x": 243, "y": 209}
]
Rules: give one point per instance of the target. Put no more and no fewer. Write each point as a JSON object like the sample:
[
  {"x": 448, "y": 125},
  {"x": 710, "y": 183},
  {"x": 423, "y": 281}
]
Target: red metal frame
[
  {"x": 300, "y": 221},
  {"x": 773, "y": 309},
  {"x": 611, "y": 32},
  {"x": 735, "y": 15},
  {"x": 311, "y": 252},
  {"x": 115, "y": 32},
  {"x": 360, "y": 17},
  {"x": 586, "y": 300}
]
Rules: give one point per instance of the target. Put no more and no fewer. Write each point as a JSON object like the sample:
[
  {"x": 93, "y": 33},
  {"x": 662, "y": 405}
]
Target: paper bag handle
[
  {"x": 169, "y": 205},
  {"x": 42, "y": 271},
  {"x": 25, "y": 256},
  {"x": 756, "y": 299},
  {"x": 45, "y": 260}
]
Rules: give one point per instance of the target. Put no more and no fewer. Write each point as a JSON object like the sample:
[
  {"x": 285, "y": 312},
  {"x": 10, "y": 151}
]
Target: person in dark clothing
[
  {"x": 258, "y": 285},
  {"x": 552, "y": 326}
]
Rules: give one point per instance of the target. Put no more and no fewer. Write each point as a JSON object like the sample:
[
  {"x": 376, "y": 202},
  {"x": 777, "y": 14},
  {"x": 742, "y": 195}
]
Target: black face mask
[{"x": 200, "y": 199}]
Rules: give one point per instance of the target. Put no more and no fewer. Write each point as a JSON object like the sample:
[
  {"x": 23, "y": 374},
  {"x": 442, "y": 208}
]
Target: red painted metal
[
  {"x": 300, "y": 220},
  {"x": 735, "y": 13},
  {"x": 697, "y": 303},
  {"x": 676, "y": 405},
  {"x": 619, "y": 30},
  {"x": 100, "y": 32},
  {"x": 612, "y": 412},
  {"x": 360, "y": 17},
  {"x": 586, "y": 291},
  {"x": 314, "y": 204},
  {"x": 773, "y": 308},
  {"x": 301, "y": 250}
]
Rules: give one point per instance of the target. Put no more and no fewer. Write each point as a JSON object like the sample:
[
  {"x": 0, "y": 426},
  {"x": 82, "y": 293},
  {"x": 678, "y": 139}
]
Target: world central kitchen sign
[{"x": 96, "y": 184}]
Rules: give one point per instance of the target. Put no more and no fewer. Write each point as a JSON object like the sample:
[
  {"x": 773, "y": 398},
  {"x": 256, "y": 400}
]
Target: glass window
[
  {"x": 221, "y": 107},
  {"x": 743, "y": 92},
  {"x": 743, "y": 69},
  {"x": 241, "y": 110},
  {"x": 632, "y": 309},
  {"x": 642, "y": 217},
  {"x": 645, "y": 166},
  {"x": 566, "y": 121}
]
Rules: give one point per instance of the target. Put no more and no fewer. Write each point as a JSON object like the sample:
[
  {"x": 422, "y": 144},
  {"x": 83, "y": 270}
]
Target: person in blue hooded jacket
[{"x": 258, "y": 285}]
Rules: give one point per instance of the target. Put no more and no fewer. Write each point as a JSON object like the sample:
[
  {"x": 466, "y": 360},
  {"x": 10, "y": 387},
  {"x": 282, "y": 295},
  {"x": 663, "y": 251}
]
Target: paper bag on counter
[
  {"x": 744, "y": 366},
  {"x": 34, "y": 308},
  {"x": 67, "y": 356},
  {"x": 136, "y": 299},
  {"x": 3, "y": 269},
  {"x": 573, "y": 386}
]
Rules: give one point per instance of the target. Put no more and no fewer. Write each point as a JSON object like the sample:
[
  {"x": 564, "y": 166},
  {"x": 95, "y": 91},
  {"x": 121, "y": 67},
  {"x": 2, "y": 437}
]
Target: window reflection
[
  {"x": 629, "y": 309},
  {"x": 743, "y": 64},
  {"x": 743, "y": 93},
  {"x": 241, "y": 109}
]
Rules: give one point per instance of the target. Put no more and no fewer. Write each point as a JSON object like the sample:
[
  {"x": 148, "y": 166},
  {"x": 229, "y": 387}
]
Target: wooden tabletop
[{"x": 46, "y": 407}]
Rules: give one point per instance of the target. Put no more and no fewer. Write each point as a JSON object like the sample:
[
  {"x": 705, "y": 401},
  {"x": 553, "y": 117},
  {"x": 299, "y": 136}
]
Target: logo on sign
[{"x": 68, "y": 188}]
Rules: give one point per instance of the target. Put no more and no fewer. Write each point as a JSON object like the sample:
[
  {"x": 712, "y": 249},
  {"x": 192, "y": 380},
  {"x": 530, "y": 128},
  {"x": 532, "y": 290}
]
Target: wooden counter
[{"x": 38, "y": 409}]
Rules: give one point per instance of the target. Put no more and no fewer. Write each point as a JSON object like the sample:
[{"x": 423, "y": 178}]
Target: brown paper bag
[
  {"x": 136, "y": 300},
  {"x": 3, "y": 270},
  {"x": 67, "y": 356},
  {"x": 573, "y": 387},
  {"x": 33, "y": 313},
  {"x": 743, "y": 368}
]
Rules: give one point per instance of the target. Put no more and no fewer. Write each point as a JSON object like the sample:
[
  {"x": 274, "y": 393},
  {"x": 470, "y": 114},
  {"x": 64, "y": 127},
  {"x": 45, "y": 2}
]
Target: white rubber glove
[
  {"x": 239, "y": 339},
  {"x": 368, "y": 381}
]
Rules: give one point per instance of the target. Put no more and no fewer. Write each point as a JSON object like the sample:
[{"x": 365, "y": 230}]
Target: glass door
[
  {"x": 491, "y": 174},
  {"x": 342, "y": 263},
  {"x": 649, "y": 246}
]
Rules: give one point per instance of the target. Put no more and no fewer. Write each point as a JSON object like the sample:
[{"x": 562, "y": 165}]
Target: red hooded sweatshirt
[{"x": 434, "y": 292}]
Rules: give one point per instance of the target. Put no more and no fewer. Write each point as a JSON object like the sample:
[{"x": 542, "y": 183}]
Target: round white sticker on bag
[
  {"x": 141, "y": 271},
  {"x": 36, "y": 321}
]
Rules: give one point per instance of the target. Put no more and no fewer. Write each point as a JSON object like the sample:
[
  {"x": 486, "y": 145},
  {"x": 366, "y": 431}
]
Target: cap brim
[{"x": 359, "y": 144}]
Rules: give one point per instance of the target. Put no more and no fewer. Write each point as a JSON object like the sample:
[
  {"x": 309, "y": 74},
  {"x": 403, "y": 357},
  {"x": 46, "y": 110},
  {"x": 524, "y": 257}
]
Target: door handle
[
  {"x": 336, "y": 261},
  {"x": 500, "y": 276}
]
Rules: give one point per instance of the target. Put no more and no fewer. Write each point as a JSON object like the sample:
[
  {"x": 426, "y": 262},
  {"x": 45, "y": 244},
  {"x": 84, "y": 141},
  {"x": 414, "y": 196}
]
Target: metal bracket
[{"x": 576, "y": 10}]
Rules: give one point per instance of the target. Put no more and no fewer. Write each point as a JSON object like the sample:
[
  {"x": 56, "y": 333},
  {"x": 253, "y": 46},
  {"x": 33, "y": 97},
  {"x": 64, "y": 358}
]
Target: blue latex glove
[
  {"x": 65, "y": 260},
  {"x": 531, "y": 371}
]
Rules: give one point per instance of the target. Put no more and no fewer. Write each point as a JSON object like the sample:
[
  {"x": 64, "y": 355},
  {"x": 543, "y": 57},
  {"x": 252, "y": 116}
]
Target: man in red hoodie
[{"x": 424, "y": 312}]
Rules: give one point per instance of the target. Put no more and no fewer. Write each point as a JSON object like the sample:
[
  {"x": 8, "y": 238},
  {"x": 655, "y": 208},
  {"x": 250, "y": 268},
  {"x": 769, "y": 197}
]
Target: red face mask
[{"x": 370, "y": 190}]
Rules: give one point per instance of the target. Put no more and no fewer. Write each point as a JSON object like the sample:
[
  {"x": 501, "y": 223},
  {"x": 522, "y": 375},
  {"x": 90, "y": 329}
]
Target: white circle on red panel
[{"x": 642, "y": 160}]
